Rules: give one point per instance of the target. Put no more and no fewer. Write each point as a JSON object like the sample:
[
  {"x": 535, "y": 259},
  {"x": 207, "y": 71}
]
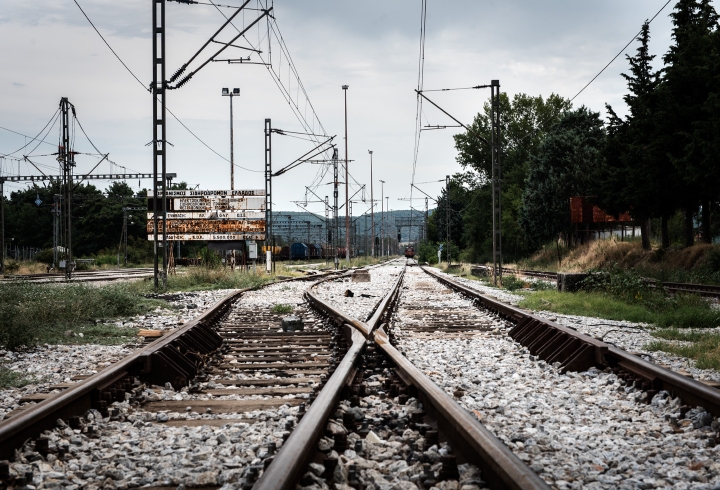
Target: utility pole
[
  {"x": 382, "y": 218},
  {"x": 269, "y": 237},
  {"x": 67, "y": 158},
  {"x": 159, "y": 87},
  {"x": 372, "y": 205},
  {"x": 327, "y": 229},
  {"x": 2, "y": 227},
  {"x": 387, "y": 224},
  {"x": 496, "y": 181},
  {"x": 235, "y": 93},
  {"x": 447, "y": 216},
  {"x": 425, "y": 231},
  {"x": 352, "y": 236},
  {"x": 347, "y": 194},
  {"x": 335, "y": 208}
]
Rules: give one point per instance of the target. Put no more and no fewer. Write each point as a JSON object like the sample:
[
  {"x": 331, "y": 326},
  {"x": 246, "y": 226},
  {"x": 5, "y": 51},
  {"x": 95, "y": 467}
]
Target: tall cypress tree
[
  {"x": 683, "y": 94},
  {"x": 634, "y": 177}
]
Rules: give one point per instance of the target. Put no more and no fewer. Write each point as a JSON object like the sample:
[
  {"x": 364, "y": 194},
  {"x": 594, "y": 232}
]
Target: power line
[
  {"x": 145, "y": 88},
  {"x": 621, "y": 52},
  {"x": 54, "y": 116}
]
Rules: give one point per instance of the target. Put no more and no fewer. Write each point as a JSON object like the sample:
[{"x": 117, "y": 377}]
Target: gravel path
[
  {"x": 365, "y": 295},
  {"x": 577, "y": 430}
]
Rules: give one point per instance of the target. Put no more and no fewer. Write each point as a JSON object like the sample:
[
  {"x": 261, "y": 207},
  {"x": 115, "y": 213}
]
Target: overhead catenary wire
[
  {"x": 621, "y": 52},
  {"x": 146, "y": 88}
]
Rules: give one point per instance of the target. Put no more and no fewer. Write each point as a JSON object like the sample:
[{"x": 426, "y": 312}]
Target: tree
[
  {"x": 684, "y": 92},
  {"x": 568, "y": 160},
  {"x": 636, "y": 177},
  {"x": 524, "y": 122}
]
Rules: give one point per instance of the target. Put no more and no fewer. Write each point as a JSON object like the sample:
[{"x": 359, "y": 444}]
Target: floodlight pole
[
  {"x": 382, "y": 218},
  {"x": 235, "y": 93}
]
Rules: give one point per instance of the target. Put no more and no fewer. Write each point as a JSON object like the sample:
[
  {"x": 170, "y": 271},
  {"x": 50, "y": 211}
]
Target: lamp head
[{"x": 225, "y": 91}]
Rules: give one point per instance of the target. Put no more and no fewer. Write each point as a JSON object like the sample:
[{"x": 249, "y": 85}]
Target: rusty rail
[
  {"x": 577, "y": 352},
  {"x": 500, "y": 466},
  {"x": 174, "y": 358}
]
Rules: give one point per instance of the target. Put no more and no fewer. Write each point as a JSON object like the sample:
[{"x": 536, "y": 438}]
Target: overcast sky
[{"x": 48, "y": 50}]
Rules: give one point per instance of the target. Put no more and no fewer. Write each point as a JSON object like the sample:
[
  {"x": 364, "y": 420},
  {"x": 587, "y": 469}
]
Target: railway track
[
  {"x": 708, "y": 290},
  {"x": 361, "y": 399},
  {"x": 84, "y": 276}
]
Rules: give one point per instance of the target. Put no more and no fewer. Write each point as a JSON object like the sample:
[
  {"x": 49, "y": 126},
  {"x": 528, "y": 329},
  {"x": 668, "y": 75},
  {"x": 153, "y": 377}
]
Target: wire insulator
[{"x": 179, "y": 72}]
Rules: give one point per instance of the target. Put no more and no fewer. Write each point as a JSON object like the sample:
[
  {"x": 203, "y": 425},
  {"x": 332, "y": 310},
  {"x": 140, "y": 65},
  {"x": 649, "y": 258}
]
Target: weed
[
  {"x": 37, "y": 313},
  {"x": 703, "y": 347},
  {"x": 282, "y": 309},
  {"x": 512, "y": 283},
  {"x": 12, "y": 379}
]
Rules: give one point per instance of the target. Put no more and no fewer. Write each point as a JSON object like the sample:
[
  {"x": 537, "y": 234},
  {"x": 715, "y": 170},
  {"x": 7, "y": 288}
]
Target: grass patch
[
  {"x": 12, "y": 379},
  {"x": 703, "y": 347},
  {"x": 589, "y": 304},
  {"x": 682, "y": 311},
  {"x": 43, "y": 313},
  {"x": 282, "y": 309},
  {"x": 203, "y": 278}
]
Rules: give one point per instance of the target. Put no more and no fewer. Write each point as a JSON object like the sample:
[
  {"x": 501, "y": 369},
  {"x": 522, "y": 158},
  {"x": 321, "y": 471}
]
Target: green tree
[
  {"x": 636, "y": 175},
  {"x": 524, "y": 121},
  {"x": 568, "y": 160},
  {"x": 686, "y": 87}
]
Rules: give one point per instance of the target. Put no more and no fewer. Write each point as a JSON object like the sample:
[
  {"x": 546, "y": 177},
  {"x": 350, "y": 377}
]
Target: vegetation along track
[
  {"x": 105, "y": 275},
  {"x": 581, "y": 413},
  {"x": 708, "y": 290}
]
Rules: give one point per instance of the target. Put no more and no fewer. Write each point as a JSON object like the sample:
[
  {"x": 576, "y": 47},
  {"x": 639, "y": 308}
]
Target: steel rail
[
  {"x": 294, "y": 456},
  {"x": 545, "y": 339},
  {"x": 173, "y": 358},
  {"x": 500, "y": 466}
]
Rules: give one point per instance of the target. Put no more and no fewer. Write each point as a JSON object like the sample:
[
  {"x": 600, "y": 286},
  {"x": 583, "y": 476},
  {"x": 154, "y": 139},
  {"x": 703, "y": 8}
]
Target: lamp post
[
  {"x": 382, "y": 217},
  {"x": 235, "y": 93},
  {"x": 347, "y": 216},
  {"x": 387, "y": 226},
  {"x": 372, "y": 207}
]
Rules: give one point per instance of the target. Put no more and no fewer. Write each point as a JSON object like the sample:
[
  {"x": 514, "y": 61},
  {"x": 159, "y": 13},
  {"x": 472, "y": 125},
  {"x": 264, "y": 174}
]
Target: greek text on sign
[
  {"x": 209, "y": 226},
  {"x": 218, "y": 204},
  {"x": 212, "y": 215},
  {"x": 201, "y": 193},
  {"x": 211, "y": 236}
]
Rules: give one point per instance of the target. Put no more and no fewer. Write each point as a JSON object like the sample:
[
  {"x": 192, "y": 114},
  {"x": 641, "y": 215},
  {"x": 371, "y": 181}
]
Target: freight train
[
  {"x": 303, "y": 251},
  {"x": 409, "y": 252}
]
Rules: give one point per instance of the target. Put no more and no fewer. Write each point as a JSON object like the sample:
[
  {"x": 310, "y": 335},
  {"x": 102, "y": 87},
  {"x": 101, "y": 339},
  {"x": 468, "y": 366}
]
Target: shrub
[
  {"x": 282, "y": 309},
  {"x": 512, "y": 283}
]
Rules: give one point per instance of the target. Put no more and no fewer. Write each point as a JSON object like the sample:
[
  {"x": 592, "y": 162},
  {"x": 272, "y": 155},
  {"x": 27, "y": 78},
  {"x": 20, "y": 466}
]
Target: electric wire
[
  {"x": 145, "y": 88},
  {"x": 621, "y": 52},
  {"x": 54, "y": 116}
]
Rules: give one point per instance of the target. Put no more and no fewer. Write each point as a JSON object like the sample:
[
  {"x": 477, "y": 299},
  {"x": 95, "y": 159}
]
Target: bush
[
  {"x": 512, "y": 283},
  {"x": 45, "y": 257},
  {"x": 37, "y": 313},
  {"x": 625, "y": 284}
]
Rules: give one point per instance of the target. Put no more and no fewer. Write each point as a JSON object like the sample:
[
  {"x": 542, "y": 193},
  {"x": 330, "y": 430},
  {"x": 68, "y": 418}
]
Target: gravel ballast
[{"x": 577, "y": 430}]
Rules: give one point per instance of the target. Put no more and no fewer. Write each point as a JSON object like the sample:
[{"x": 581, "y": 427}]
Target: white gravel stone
[{"x": 577, "y": 430}]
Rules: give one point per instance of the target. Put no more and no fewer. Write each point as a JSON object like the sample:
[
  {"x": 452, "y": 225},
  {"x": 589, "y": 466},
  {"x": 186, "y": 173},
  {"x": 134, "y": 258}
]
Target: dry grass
[{"x": 629, "y": 254}]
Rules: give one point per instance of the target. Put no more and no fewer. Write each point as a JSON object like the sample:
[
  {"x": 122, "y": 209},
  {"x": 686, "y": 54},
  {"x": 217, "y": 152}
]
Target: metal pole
[
  {"x": 232, "y": 149},
  {"x": 447, "y": 216},
  {"x": 382, "y": 218},
  {"x": 159, "y": 139},
  {"x": 372, "y": 206},
  {"x": 387, "y": 225},
  {"x": 269, "y": 237},
  {"x": 425, "y": 231},
  {"x": 67, "y": 158},
  {"x": 496, "y": 181},
  {"x": 327, "y": 229},
  {"x": 336, "y": 221},
  {"x": 2, "y": 226},
  {"x": 347, "y": 216}
]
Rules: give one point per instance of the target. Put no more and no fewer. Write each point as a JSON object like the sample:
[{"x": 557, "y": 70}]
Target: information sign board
[
  {"x": 209, "y": 226},
  {"x": 213, "y": 236}
]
